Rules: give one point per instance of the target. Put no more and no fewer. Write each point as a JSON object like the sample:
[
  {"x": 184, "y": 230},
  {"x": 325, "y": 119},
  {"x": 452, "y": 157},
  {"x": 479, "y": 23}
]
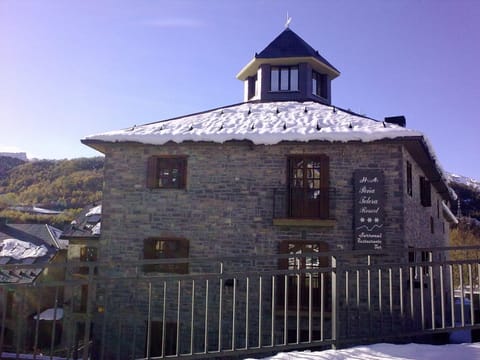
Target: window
[
  {"x": 425, "y": 256},
  {"x": 252, "y": 86},
  {"x": 308, "y": 186},
  {"x": 161, "y": 248},
  {"x": 168, "y": 172},
  {"x": 425, "y": 192},
  {"x": 409, "y": 179},
  {"x": 87, "y": 254},
  {"x": 304, "y": 281},
  {"x": 284, "y": 78},
  {"x": 319, "y": 84}
]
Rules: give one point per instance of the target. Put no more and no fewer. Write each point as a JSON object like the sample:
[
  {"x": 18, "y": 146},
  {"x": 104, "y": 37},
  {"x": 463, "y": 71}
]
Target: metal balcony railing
[{"x": 241, "y": 305}]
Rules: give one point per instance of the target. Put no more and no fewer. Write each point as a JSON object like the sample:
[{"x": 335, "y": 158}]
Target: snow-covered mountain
[
  {"x": 459, "y": 179},
  {"x": 468, "y": 191}
]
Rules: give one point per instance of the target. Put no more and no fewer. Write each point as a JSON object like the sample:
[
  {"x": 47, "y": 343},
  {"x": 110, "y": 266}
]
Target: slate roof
[
  {"x": 289, "y": 44},
  {"x": 37, "y": 235},
  {"x": 86, "y": 225}
]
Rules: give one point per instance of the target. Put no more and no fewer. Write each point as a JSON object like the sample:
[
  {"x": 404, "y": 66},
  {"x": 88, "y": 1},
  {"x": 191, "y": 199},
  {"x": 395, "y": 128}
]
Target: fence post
[{"x": 334, "y": 303}]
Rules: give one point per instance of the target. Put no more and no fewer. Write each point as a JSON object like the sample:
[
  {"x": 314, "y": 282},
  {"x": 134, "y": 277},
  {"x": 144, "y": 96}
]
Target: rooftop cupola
[{"x": 288, "y": 69}]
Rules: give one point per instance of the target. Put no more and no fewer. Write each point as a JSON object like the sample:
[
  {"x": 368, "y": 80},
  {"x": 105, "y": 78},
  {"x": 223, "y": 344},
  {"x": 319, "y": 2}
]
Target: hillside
[
  {"x": 53, "y": 184},
  {"x": 468, "y": 191},
  {"x": 7, "y": 163}
]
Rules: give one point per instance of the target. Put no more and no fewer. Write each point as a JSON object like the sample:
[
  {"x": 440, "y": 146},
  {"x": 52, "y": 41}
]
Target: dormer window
[
  {"x": 284, "y": 78},
  {"x": 319, "y": 84}
]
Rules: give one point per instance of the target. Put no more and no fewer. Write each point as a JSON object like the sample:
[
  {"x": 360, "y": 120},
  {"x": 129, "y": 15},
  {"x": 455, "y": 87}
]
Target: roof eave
[
  {"x": 98, "y": 145},
  {"x": 418, "y": 148},
  {"x": 251, "y": 68}
]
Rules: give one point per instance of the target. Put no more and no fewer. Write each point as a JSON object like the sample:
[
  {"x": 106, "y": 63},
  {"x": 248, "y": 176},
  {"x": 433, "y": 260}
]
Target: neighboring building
[
  {"x": 284, "y": 172},
  {"x": 82, "y": 235},
  {"x": 38, "y": 246},
  {"x": 35, "y": 210}
]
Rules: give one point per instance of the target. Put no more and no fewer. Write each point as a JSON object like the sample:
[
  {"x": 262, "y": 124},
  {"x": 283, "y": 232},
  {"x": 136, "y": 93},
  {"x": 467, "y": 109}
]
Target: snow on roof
[
  {"x": 448, "y": 213},
  {"x": 262, "y": 123},
  {"x": 18, "y": 249},
  {"x": 97, "y": 210},
  {"x": 268, "y": 123},
  {"x": 96, "y": 230}
]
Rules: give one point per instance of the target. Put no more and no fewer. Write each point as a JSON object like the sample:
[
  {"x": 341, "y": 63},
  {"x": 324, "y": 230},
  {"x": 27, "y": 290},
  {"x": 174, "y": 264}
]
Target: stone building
[{"x": 286, "y": 171}]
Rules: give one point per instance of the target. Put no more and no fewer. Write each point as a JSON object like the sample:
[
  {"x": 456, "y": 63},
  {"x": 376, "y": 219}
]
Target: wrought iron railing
[{"x": 241, "y": 305}]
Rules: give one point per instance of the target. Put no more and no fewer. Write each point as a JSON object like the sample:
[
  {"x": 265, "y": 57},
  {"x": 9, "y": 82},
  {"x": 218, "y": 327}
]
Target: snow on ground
[
  {"x": 388, "y": 352},
  {"x": 18, "y": 249},
  {"x": 371, "y": 352}
]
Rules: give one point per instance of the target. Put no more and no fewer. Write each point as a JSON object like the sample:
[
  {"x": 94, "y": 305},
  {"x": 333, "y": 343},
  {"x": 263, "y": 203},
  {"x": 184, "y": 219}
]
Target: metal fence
[{"x": 241, "y": 306}]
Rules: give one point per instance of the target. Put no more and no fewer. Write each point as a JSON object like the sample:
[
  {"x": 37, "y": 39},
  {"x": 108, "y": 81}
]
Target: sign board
[{"x": 369, "y": 188}]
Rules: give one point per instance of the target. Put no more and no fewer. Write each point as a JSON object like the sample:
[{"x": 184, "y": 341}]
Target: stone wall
[{"x": 227, "y": 209}]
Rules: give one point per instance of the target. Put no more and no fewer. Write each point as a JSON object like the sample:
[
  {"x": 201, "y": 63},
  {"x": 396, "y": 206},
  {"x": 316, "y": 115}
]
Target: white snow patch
[
  {"x": 96, "y": 230},
  {"x": 470, "y": 182},
  {"x": 97, "y": 210},
  {"x": 50, "y": 314},
  {"x": 388, "y": 352},
  {"x": 262, "y": 123},
  {"x": 267, "y": 123},
  {"x": 18, "y": 249},
  {"x": 449, "y": 213}
]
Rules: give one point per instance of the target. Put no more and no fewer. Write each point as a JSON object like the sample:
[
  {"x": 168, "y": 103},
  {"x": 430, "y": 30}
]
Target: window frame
[
  {"x": 300, "y": 264},
  {"x": 409, "y": 179},
  {"x": 300, "y": 203},
  {"x": 319, "y": 84},
  {"x": 154, "y": 247},
  {"x": 158, "y": 162},
  {"x": 277, "y": 71},
  {"x": 425, "y": 192}
]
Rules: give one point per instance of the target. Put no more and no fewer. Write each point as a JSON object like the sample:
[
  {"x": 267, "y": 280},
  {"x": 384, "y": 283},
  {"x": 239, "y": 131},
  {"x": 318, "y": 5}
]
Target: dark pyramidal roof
[{"x": 289, "y": 44}]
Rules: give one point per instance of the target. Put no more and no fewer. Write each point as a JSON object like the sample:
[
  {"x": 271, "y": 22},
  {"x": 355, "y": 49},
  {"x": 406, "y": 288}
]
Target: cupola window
[
  {"x": 284, "y": 78},
  {"x": 319, "y": 84}
]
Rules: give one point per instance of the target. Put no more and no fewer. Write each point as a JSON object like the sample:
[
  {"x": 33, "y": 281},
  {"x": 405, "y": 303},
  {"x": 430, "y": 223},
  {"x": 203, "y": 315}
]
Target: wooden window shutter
[
  {"x": 182, "y": 165},
  {"x": 425, "y": 192},
  {"x": 152, "y": 177}
]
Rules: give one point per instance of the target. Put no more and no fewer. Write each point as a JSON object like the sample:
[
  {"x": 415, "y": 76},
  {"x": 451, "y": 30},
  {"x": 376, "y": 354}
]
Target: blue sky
[{"x": 74, "y": 68}]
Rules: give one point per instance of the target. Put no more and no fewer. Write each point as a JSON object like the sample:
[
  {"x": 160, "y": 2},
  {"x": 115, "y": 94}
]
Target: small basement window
[{"x": 167, "y": 172}]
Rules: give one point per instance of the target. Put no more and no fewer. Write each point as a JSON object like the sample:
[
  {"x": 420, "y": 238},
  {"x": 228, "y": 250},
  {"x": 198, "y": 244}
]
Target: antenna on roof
[{"x": 289, "y": 20}]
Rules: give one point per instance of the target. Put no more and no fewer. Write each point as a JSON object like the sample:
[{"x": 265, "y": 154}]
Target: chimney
[{"x": 397, "y": 120}]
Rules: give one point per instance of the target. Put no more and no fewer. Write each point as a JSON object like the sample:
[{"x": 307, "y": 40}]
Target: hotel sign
[{"x": 369, "y": 219}]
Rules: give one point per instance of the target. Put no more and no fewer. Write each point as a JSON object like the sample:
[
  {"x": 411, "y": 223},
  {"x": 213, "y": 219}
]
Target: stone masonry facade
[{"x": 227, "y": 208}]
